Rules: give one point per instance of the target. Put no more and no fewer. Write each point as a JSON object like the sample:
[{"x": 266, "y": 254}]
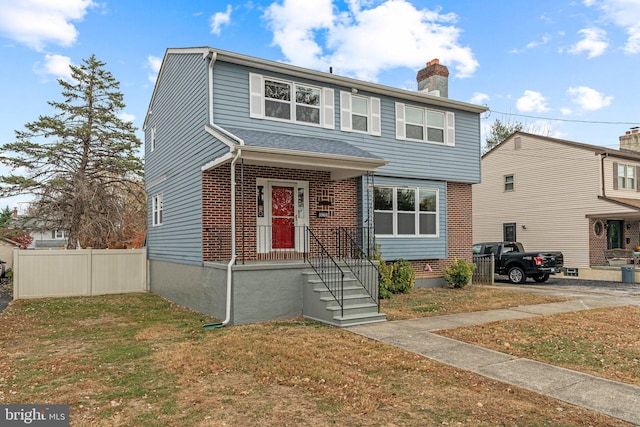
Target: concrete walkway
[{"x": 609, "y": 397}]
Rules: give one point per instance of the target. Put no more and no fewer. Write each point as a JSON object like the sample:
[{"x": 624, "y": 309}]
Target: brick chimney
[
  {"x": 630, "y": 140},
  {"x": 434, "y": 79}
]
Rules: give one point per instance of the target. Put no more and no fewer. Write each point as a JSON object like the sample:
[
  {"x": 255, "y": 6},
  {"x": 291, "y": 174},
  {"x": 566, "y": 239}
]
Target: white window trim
[
  {"x": 448, "y": 130},
  {"x": 157, "y": 207},
  {"x": 373, "y": 114},
  {"x": 153, "y": 137},
  {"x": 257, "y": 101},
  {"x": 416, "y": 212},
  {"x": 63, "y": 235}
]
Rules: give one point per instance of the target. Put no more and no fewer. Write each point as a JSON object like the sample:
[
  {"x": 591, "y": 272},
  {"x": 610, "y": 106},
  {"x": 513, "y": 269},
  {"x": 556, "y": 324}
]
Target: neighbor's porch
[{"x": 613, "y": 240}]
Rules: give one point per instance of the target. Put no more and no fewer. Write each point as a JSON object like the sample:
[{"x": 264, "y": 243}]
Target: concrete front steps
[{"x": 320, "y": 305}]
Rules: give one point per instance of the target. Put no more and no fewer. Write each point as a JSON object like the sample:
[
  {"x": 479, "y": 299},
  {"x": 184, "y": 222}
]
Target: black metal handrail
[
  {"x": 326, "y": 268},
  {"x": 351, "y": 252}
]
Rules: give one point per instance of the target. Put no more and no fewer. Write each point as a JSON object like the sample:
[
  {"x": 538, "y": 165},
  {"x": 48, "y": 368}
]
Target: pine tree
[
  {"x": 81, "y": 163},
  {"x": 500, "y": 131}
]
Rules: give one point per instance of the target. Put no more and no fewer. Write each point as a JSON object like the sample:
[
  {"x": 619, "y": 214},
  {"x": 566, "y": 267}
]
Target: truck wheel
[
  {"x": 516, "y": 275},
  {"x": 541, "y": 278}
]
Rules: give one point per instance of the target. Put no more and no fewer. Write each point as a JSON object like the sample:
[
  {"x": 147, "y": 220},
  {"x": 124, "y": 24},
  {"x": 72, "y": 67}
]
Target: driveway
[{"x": 578, "y": 285}]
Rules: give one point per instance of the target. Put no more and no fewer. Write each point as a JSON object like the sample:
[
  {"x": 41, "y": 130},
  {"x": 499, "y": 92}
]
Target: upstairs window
[
  {"x": 285, "y": 100},
  {"x": 626, "y": 177},
  {"x": 422, "y": 124},
  {"x": 157, "y": 210},
  {"x": 277, "y": 100},
  {"x": 509, "y": 183},
  {"x": 360, "y": 114},
  {"x": 405, "y": 212}
]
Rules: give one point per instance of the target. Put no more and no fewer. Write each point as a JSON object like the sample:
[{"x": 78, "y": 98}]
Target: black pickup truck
[{"x": 512, "y": 261}]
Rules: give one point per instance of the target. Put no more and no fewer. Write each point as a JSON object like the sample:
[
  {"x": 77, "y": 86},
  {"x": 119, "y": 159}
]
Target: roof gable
[{"x": 596, "y": 149}]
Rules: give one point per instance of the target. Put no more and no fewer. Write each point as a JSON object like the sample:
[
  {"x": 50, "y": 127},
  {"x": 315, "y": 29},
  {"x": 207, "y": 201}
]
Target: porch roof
[
  {"x": 630, "y": 208},
  {"x": 341, "y": 159}
]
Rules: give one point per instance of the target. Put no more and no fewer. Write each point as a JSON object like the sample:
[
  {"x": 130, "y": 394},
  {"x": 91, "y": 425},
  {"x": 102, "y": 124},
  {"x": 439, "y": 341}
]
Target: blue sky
[{"x": 566, "y": 69}]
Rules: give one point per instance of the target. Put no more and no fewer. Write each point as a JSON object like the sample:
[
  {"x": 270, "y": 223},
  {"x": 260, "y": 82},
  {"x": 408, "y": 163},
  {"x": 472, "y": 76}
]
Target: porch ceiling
[{"x": 341, "y": 159}]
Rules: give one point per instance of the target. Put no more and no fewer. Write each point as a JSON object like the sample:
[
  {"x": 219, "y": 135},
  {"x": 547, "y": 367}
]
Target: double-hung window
[
  {"x": 626, "y": 177},
  {"x": 405, "y": 211},
  {"x": 509, "y": 182},
  {"x": 360, "y": 113},
  {"x": 424, "y": 125},
  {"x": 285, "y": 100},
  {"x": 157, "y": 209}
]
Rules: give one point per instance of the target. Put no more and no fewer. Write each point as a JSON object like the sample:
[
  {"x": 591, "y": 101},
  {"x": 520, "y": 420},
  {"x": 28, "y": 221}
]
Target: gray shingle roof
[{"x": 300, "y": 143}]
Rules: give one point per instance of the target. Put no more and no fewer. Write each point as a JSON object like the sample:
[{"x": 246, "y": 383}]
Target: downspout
[
  {"x": 602, "y": 157},
  {"x": 227, "y": 318}
]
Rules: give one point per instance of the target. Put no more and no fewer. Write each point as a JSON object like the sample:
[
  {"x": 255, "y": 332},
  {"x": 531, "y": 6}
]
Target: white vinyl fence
[{"x": 78, "y": 272}]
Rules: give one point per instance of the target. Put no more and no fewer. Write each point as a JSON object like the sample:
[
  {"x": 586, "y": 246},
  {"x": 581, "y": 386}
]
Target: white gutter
[{"x": 226, "y": 320}]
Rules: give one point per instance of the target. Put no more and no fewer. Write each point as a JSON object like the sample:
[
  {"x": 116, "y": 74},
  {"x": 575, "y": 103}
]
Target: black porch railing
[
  {"x": 319, "y": 247},
  {"x": 351, "y": 243},
  {"x": 326, "y": 268}
]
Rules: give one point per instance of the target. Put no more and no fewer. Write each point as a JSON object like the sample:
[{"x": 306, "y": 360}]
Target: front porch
[{"x": 329, "y": 266}]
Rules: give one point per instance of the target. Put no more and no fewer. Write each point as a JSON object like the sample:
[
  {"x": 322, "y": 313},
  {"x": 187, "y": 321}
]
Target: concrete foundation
[{"x": 259, "y": 291}]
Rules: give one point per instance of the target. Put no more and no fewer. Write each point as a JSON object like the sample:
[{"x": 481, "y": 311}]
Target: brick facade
[
  {"x": 459, "y": 232},
  {"x": 339, "y": 199},
  {"x": 598, "y": 243}
]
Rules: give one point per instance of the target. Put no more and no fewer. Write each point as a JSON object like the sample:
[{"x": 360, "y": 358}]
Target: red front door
[{"x": 282, "y": 218}]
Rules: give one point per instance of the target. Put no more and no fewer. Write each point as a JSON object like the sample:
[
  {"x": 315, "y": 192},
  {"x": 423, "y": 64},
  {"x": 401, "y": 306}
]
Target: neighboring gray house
[{"x": 268, "y": 182}]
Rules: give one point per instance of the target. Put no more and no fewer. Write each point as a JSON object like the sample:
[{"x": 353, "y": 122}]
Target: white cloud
[
  {"x": 154, "y": 63},
  {"x": 532, "y": 101},
  {"x": 624, "y": 14},
  {"x": 589, "y": 99},
  {"x": 544, "y": 40},
  {"x": 219, "y": 19},
  {"x": 594, "y": 42},
  {"x": 566, "y": 111},
  {"x": 479, "y": 98},
  {"x": 56, "y": 66},
  {"x": 355, "y": 44},
  {"x": 127, "y": 117},
  {"x": 36, "y": 23}
]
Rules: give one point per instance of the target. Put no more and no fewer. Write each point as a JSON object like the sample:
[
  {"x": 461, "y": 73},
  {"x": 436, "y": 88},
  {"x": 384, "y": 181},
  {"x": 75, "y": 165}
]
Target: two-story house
[
  {"x": 553, "y": 194},
  {"x": 270, "y": 183}
]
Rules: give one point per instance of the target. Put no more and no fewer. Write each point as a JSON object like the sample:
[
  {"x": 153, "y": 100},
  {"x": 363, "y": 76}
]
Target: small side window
[
  {"x": 157, "y": 210},
  {"x": 509, "y": 183},
  {"x": 153, "y": 137}
]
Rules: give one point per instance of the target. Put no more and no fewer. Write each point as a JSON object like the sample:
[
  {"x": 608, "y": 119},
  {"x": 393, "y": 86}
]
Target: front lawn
[{"x": 137, "y": 359}]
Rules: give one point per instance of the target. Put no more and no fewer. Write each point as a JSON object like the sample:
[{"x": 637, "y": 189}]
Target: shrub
[
  {"x": 395, "y": 278},
  {"x": 459, "y": 273},
  {"x": 403, "y": 277},
  {"x": 385, "y": 279}
]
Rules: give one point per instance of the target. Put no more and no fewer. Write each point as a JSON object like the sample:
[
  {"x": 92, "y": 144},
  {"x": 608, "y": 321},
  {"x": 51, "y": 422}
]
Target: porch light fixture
[
  {"x": 628, "y": 226},
  {"x": 524, "y": 227}
]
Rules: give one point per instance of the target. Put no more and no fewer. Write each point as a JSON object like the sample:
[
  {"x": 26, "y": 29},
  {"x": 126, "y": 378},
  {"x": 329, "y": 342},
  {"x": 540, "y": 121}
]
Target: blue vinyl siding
[
  {"x": 416, "y": 248},
  {"x": 179, "y": 113},
  {"x": 408, "y": 159}
]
